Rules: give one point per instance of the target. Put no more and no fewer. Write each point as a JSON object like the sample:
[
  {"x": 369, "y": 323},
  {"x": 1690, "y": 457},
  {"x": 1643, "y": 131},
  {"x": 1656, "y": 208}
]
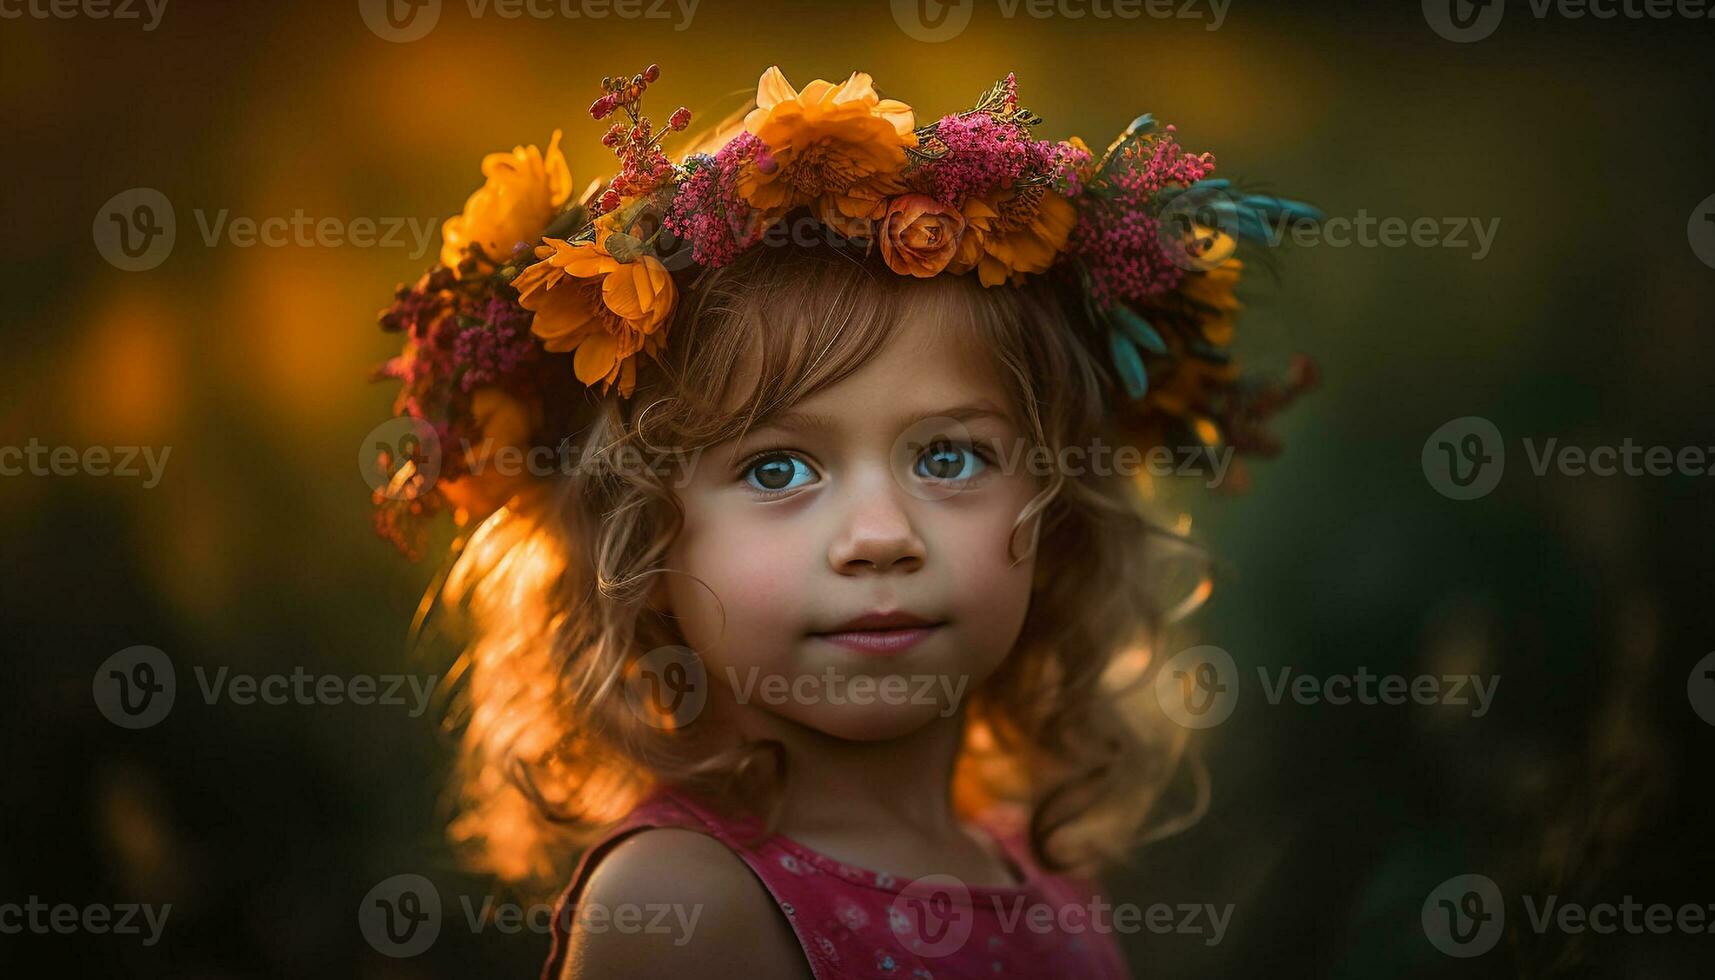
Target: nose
[{"x": 876, "y": 533}]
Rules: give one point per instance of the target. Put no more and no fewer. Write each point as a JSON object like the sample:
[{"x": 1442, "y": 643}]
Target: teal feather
[
  {"x": 1277, "y": 207},
  {"x": 1137, "y": 328},
  {"x": 1130, "y": 365}
]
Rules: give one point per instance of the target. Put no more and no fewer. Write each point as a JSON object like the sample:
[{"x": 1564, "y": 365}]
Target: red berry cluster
[{"x": 643, "y": 167}]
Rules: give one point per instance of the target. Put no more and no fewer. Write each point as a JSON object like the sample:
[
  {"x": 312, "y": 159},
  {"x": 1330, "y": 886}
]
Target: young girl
[{"x": 816, "y": 619}]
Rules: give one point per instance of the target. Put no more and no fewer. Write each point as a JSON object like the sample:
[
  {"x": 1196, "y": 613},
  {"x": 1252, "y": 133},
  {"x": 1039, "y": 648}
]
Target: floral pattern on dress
[{"x": 849, "y": 923}]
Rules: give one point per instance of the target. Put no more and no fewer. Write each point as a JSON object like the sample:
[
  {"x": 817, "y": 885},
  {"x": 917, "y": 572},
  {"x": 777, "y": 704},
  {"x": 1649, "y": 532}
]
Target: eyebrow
[{"x": 808, "y": 422}]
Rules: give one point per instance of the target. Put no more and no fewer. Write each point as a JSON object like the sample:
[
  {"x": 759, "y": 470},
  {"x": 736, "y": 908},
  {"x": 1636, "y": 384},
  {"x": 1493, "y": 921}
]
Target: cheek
[
  {"x": 740, "y": 599},
  {"x": 990, "y": 595}
]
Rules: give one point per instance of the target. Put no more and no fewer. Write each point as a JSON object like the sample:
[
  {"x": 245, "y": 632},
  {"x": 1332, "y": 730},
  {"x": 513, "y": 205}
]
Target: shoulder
[{"x": 672, "y": 902}]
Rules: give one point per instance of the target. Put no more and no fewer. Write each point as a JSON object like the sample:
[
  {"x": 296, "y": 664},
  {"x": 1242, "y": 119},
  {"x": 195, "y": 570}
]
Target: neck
[{"x": 834, "y": 784}]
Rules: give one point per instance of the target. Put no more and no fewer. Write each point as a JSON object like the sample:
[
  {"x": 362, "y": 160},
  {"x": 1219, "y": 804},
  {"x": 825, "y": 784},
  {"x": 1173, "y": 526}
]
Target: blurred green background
[{"x": 1589, "y": 141}]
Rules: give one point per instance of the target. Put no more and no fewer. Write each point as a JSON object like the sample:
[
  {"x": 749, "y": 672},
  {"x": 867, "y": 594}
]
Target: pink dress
[{"x": 854, "y": 923}]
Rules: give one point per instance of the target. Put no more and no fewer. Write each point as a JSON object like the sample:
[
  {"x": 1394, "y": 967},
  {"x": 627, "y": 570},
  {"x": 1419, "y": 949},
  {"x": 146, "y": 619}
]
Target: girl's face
[{"x": 850, "y": 505}]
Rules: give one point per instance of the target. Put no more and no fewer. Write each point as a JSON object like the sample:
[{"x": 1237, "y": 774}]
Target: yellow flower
[
  {"x": 1013, "y": 233},
  {"x": 524, "y": 190},
  {"x": 587, "y": 301},
  {"x": 1185, "y": 392},
  {"x": 1214, "y": 289},
  {"x": 836, "y": 148}
]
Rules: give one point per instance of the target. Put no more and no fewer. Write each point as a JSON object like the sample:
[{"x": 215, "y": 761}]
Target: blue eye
[
  {"x": 948, "y": 461},
  {"x": 778, "y": 473}
]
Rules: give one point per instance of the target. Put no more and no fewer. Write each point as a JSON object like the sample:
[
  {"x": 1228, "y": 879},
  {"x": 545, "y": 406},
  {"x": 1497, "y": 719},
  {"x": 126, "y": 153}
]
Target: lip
[{"x": 882, "y": 632}]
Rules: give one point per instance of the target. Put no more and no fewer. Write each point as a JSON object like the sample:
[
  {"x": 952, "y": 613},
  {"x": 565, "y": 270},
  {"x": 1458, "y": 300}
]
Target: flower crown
[{"x": 1144, "y": 231}]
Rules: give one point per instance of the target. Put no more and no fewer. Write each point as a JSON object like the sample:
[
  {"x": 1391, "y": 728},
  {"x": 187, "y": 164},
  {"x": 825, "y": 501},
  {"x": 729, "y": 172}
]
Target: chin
[{"x": 873, "y": 723}]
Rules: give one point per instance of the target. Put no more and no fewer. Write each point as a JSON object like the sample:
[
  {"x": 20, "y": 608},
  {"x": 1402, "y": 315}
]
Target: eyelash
[{"x": 750, "y": 462}]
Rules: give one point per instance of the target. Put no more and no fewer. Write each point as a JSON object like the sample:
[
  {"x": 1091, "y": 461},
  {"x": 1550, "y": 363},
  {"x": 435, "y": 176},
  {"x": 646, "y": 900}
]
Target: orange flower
[
  {"x": 506, "y": 424},
  {"x": 1013, "y": 233},
  {"x": 524, "y": 190},
  {"x": 587, "y": 301},
  {"x": 919, "y": 235},
  {"x": 836, "y": 148}
]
